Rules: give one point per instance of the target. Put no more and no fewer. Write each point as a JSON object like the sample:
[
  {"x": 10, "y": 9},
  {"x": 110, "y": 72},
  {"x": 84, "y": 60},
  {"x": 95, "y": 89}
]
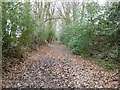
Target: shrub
[{"x": 96, "y": 35}]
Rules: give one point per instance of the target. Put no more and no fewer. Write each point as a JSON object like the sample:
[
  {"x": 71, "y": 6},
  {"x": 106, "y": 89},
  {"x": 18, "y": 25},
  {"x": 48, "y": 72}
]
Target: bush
[
  {"x": 96, "y": 35},
  {"x": 22, "y": 30}
]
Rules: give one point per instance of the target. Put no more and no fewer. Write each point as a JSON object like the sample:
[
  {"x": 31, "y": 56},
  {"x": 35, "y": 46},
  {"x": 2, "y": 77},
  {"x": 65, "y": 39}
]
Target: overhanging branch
[{"x": 50, "y": 19}]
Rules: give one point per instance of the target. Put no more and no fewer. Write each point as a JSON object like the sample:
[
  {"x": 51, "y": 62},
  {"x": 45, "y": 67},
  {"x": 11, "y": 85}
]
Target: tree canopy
[{"x": 86, "y": 28}]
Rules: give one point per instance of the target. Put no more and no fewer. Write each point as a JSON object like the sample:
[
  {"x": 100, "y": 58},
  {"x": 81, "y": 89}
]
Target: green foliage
[
  {"x": 51, "y": 35},
  {"x": 96, "y": 34},
  {"x": 21, "y": 29}
]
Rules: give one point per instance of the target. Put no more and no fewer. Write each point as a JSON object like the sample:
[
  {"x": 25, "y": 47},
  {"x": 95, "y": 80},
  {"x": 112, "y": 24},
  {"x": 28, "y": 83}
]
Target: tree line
[
  {"x": 26, "y": 26},
  {"x": 87, "y": 29},
  {"x": 94, "y": 33}
]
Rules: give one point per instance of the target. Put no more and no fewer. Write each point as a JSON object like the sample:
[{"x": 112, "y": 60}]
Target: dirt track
[{"x": 55, "y": 66}]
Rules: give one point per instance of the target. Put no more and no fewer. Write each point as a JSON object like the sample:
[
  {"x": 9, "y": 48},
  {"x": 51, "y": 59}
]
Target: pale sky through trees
[
  {"x": 99, "y": 1},
  {"x": 59, "y": 5}
]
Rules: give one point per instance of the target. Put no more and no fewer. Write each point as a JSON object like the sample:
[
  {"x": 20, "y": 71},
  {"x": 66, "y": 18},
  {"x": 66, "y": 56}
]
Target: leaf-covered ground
[{"x": 54, "y": 66}]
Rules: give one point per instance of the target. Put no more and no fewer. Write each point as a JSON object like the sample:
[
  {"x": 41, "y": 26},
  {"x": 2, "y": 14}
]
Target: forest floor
[{"x": 53, "y": 66}]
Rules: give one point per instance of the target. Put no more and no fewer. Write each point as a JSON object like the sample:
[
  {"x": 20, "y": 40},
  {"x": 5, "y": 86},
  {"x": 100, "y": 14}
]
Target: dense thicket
[
  {"x": 23, "y": 29},
  {"x": 88, "y": 29},
  {"x": 96, "y": 33}
]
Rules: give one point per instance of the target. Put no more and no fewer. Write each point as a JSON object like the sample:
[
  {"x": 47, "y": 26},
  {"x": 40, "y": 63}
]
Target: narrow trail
[{"x": 53, "y": 66}]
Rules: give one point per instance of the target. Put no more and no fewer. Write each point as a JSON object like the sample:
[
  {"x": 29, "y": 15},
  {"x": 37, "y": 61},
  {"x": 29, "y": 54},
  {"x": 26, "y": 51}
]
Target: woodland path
[{"x": 54, "y": 66}]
